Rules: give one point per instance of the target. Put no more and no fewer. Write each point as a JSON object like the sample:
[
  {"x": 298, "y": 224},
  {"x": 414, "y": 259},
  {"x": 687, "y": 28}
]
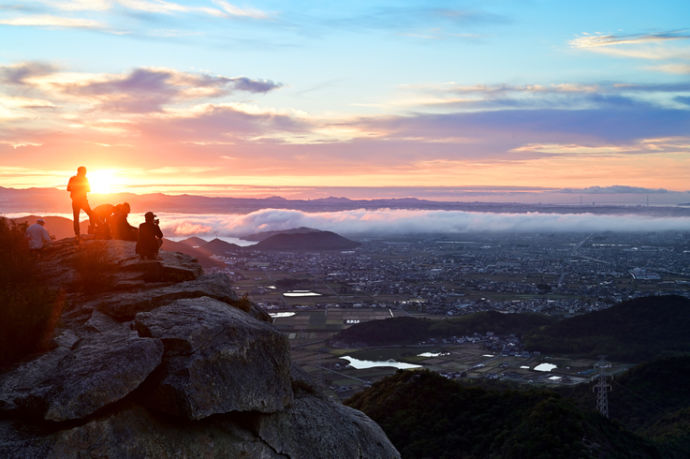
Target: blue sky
[{"x": 215, "y": 93}]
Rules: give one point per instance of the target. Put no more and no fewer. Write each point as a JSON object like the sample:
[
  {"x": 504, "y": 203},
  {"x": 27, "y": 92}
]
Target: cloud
[
  {"x": 362, "y": 222},
  {"x": 450, "y": 96},
  {"x": 101, "y": 15},
  {"x": 80, "y": 5},
  {"x": 615, "y": 189},
  {"x": 217, "y": 123},
  {"x": 507, "y": 129},
  {"x": 677, "y": 69},
  {"x": 602, "y": 40},
  {"x": 683, "y": 100},
  {"x": 231, "y": 10},
  {"x": 49, "y": 21},
  {"x": 143, "y": 90},
  {"x": 17, "y": 74},
  {"x": 20, "y": 143},
  {"x": 260, "y": 86},
  {"x": 667, "y": 46},
  {"x": 644, "y": 146}
]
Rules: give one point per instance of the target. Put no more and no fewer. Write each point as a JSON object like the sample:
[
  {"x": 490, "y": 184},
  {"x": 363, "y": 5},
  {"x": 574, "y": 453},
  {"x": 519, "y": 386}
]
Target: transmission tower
[{"x": 602, "y": 387}]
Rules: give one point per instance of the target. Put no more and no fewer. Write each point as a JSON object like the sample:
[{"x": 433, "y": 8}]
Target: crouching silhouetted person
[
  {"x": 150, "y": 237},
  {"x": 102, "y": 215},
  {"x": 119, "y": 226}
]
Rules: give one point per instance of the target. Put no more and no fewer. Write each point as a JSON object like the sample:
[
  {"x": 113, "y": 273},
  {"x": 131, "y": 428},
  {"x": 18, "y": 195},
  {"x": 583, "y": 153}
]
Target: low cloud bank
[{"x": 360, "y": 222}]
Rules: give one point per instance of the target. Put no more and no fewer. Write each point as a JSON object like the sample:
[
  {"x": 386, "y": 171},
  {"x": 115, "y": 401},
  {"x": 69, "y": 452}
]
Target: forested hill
[
  {"x": 631, "y": 331},
  {"x": 426, "y": 415},
  {"x": 651, "y": 399},
  {"x": 409, "y": 330}
]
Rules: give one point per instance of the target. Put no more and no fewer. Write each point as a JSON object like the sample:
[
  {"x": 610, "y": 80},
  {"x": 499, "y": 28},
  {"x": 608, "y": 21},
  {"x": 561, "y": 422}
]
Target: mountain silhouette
[
  {"x": 266, "y": 234},
  {"x": 313, "y": 240}
]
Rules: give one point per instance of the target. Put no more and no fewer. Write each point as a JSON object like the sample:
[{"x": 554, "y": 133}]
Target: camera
[{"x": 157, "y": 221}]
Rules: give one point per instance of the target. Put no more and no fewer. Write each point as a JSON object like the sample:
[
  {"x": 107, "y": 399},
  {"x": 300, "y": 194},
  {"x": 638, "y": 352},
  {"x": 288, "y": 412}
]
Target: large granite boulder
[
  {"x": 70, "y": 383},
  {"x": 217, "y": 359},
  {"x": 133, "y": 432},
  {"x": 125, "y": 305},
  {"x": 164, "y": 361},
  {"x": 317, "y": 424}
]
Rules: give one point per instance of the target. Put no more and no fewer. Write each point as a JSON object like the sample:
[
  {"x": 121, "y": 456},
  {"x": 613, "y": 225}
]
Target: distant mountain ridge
[{"x": 47, "y": 200}]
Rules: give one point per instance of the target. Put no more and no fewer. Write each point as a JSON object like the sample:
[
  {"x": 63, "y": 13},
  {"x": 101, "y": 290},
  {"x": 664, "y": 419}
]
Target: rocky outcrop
[
  {"x": 162, "y": 360},
  {"x": 218, "y": 360}
]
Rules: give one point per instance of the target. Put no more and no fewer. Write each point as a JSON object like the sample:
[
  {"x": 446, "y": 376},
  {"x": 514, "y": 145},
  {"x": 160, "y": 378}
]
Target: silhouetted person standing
[
  {"x": 78, "y": 186},
  {"x": 150, "y": 237}
]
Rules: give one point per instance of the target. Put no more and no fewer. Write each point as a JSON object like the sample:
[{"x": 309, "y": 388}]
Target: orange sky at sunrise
[{"x": 209, "y": 100}]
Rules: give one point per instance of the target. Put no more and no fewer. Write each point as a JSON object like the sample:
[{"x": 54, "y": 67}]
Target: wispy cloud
[
  {"x": 228, "y": 9},
  {"x": 615, "y": 189},
  {"x": 46, "y": 20},
  {"x": 644, "y": 146},
  {"x": 222, "y": 8},
  {"x": 668, "y": 46},
  {"x": 122, "y": 17},
  {"x": 597, "y": 40},
  {"x": 678, "y": 69},
  {"x": 80, "y": 5},
  {"x": 451, "y": 96}
]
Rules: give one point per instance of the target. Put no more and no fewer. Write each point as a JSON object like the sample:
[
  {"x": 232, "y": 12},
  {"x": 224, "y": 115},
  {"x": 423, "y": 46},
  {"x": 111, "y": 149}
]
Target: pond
[
  {"x": 277, "y": 315},
  {"x": 300, "y": 293},
  {"x": 545, "y": 367},
  {"x": 362, "y": 364},
  {"x": 433, "y": 354}
]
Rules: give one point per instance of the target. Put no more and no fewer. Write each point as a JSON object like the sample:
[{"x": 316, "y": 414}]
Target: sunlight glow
[{"x": 105, "y": 181}]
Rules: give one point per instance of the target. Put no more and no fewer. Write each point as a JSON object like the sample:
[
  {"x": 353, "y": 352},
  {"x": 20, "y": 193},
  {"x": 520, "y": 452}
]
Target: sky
[{"x": 208, "y": 97}]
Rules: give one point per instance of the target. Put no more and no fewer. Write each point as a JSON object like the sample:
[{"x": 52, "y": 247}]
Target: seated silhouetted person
[
  {"x": 37, "y": 236},
  {"x": 150, "y": 237},
  {"x": 102, "y": 216},
  {"x": 119, "y": 226}
]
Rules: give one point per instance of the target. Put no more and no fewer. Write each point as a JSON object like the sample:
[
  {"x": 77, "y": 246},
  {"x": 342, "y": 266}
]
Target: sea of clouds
[{"x": 389, "y": 221}]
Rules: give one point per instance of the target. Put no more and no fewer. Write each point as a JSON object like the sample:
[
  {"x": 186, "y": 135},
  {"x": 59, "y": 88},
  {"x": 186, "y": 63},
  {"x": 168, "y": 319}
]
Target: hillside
[
  {"x": 652, "y": 400},
  {"x": 426, "y": 415},
  {"x": 313, "y": 240},
  {"x": 220, "y": 247},
  {"x": 266, "y": 234},
  {"x": 409, "y": 330},
  {"x": 193, "y": 241},
  {"x": 632, "y": 331}
]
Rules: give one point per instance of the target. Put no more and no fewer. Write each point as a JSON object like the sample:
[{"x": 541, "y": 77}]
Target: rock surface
[
  {"x": 217, "y": 360},
  {"x": 157, "y": 359}
]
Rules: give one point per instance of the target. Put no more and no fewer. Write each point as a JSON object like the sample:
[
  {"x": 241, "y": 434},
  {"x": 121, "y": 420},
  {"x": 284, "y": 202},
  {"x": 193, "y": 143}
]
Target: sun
[{"x": 103, "y": 181}]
